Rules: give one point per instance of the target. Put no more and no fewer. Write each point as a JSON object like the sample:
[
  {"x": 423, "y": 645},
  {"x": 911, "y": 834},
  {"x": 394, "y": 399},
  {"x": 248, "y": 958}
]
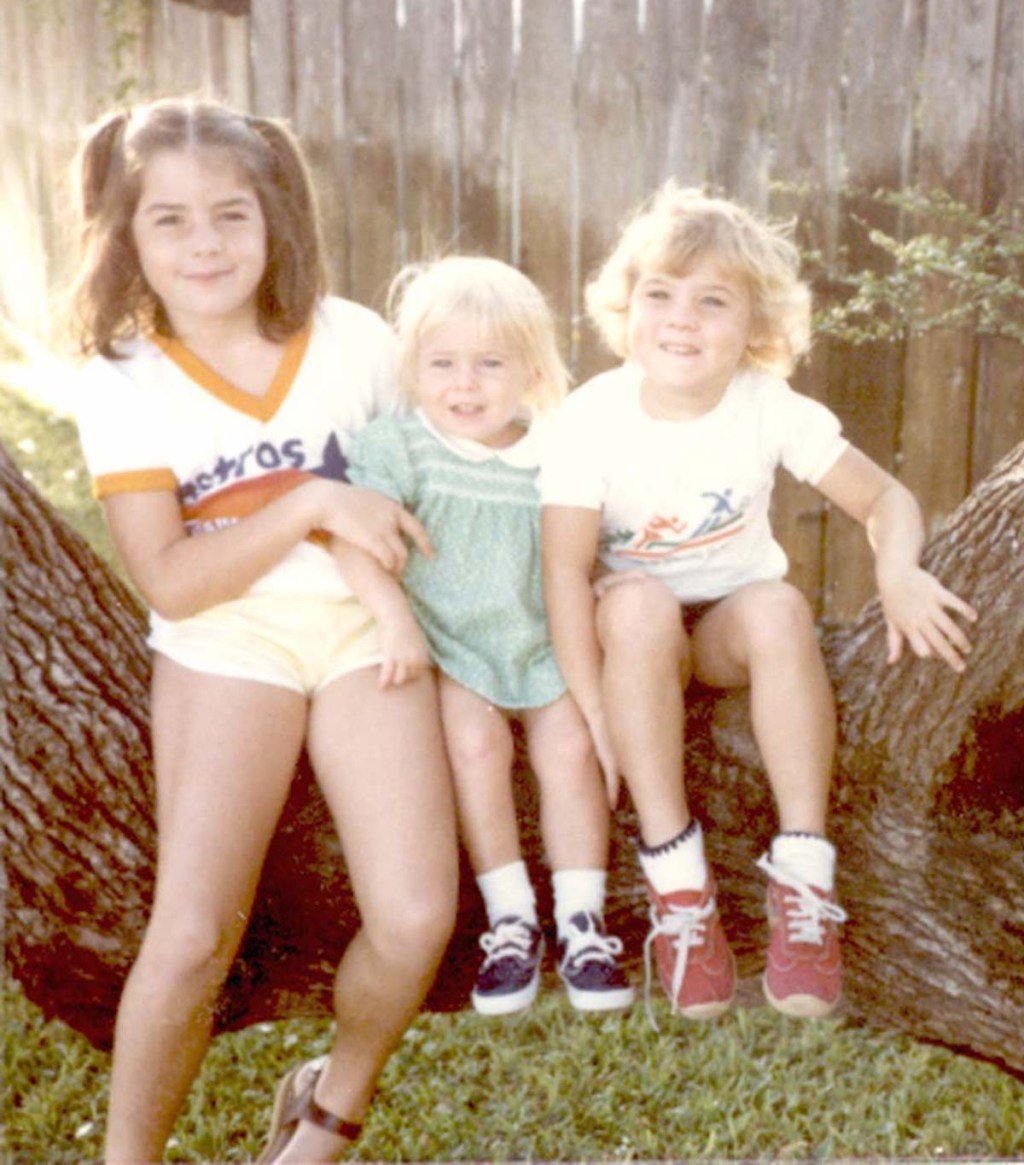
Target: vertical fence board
[
  {"x": 805, "y": 168},
  {"x": 883, "y": 48},
  {"x": 318, "y": 117},
  {"x": 428, "y": 128},
  {"x": 671, "y": 93},
  {"x": 999, "y": 407},
  {"x": 371, "y": 55},
  {"x": 23, "y": 199},
  {"x": 485, "y": 129},
  {"x": 544, "y": 138},
  {"x": 609, "y": 146},
  {"x": 739, "y": 37},
  {"x": 953, "y": 138},
  {"x": 237, "y": 82},
  {"x": 271, "y": 58}
]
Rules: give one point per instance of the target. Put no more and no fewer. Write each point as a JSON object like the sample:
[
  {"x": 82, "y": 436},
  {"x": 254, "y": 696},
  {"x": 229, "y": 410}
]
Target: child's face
[
  {"x": 201, "y": 238},
  {"x": 470, "y": 382},
  {"x": 689, "y": 333}
]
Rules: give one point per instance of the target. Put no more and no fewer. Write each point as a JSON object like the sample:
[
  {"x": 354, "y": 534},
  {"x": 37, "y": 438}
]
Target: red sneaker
[
  {"x": 695, "y": 965},
  {"x": 805, "y": 970}
]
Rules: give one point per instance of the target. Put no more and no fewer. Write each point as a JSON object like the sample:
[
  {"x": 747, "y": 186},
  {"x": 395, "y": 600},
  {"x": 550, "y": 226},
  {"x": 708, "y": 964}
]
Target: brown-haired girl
[{"x": 223, "y": 388}]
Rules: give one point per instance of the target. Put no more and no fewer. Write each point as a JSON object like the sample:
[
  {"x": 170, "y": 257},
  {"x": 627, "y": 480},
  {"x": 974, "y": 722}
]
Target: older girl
[{"x": 223, "y": 389}]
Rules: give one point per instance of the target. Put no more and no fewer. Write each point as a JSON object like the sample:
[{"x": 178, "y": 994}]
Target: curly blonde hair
[
  {"x": 680, "y": 227},
  {"x": 110, "y": 297},
  {"x": 494, "y": 295}
]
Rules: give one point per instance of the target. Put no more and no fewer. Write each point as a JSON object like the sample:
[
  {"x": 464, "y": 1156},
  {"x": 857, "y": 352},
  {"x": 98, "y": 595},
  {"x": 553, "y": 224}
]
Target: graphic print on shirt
[
  {"x": 664, "y": 537},
  {"x": 208, "y": 502}
]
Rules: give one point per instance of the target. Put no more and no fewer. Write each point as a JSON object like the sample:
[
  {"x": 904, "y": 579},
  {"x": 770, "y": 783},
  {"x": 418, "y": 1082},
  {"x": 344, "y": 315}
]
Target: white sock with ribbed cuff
[
  {"x": 507, "y": 891},
  {"x": 678, "y": 864},
  {"x": 807, "y": 856},
  {"x": 577, "y": 891}
]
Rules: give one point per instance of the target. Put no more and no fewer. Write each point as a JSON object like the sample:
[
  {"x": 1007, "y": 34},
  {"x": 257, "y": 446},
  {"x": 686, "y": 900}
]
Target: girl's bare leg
[
  {"x": 379, "y": 757},
  {"x": 224, "y": 753},
  {"x": 646, "y": 667},
  {"x": 764, "y": 636},
  {"x": 574, "y": 815},
  {"x": 481, "y": 751}
]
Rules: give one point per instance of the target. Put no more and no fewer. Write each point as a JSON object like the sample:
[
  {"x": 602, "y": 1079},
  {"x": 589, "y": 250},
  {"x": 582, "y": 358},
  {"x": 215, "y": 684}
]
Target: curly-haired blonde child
[
  {"x": 661, "y": 471},
  {"x": 480, "y": 364}
]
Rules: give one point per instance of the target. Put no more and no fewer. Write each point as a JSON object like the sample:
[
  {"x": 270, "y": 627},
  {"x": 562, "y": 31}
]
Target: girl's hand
[
  {"x": 916, "y": 607},
  {"x": 374, "y": 523},
  {"x": 406, "y": 656}
]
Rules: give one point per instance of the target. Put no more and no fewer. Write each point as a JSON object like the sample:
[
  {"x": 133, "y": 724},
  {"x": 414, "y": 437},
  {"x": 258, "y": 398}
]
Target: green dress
[{"x": 479, "y": 600}]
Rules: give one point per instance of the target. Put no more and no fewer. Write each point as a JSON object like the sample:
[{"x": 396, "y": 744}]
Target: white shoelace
[
  {"x": 510, "y": 939},
  {"x": 590, "y": 946},
  {"x": 687, "y": 927},
  {"x": 805, "y": 921}
]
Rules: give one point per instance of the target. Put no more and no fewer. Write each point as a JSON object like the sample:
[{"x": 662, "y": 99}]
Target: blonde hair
[
  {"x": 110, "y": 297},
  {"x": 681, "y": 227},
  {"x": 494, "y": 295}
]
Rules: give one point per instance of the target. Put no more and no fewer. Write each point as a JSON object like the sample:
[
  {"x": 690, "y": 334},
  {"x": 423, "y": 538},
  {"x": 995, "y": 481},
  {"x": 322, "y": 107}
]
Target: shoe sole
[
  {"x": 508, "y": 1003},
  {"x": 800, "y": 1006},
  {"x": 701, "y": 1011},
  {"x": 618, "y": 1000}
]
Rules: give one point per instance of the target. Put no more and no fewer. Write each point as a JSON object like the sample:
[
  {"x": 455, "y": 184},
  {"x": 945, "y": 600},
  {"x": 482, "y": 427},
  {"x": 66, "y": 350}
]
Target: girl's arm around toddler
[
  {"x": 179, "y": 575},
  {"x": 406, "y": 655},
  {"x": 916, "y": 605}
]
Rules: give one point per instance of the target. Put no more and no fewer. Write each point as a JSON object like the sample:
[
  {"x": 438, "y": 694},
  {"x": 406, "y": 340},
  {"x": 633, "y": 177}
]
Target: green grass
[
  {"x": 553, "y": 1085},
  {"x": 550, "y": 1085}
]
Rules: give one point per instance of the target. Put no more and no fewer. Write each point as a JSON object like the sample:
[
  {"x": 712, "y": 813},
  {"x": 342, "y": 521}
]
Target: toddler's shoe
[
  {"x": 587, "y": 964},
  {"x": 509, "y": 975},
  {"x": 695, "y": 965},
  {"x": 805, "y": 971}
]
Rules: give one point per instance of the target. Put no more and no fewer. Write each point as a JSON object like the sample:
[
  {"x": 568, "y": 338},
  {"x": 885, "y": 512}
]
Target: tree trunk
[{"x": 928, "y": 807}]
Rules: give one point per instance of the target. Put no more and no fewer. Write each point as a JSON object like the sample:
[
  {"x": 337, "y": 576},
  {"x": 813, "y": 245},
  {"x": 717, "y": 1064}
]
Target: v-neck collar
[{"x": 264, "y": 407}]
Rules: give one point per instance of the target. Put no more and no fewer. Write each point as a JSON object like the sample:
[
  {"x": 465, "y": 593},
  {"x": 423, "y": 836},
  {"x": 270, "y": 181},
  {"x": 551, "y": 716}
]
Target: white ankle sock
[
  {"x": 508, "y": 891},
  {"x": 679, "y": 864},
  {"x": 806, "y": 856},
  {"x": 575, "y": 891}
]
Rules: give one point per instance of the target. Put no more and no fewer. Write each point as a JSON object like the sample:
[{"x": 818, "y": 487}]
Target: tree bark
[{"x": 928, "y": 807}]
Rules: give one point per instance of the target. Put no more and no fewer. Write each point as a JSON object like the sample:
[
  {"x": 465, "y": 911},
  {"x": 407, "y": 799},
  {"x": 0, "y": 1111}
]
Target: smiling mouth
[
  {"x": 467, "y": 410},
  {"x": 680, "y": 349}
]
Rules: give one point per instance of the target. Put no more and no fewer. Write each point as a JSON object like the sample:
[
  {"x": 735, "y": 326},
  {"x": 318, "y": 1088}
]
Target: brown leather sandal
[{"x": 294, "y": 1103}]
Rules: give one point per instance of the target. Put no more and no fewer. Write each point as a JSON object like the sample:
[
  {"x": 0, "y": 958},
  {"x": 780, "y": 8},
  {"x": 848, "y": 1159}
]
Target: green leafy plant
[{"x": 965, "y": 269}]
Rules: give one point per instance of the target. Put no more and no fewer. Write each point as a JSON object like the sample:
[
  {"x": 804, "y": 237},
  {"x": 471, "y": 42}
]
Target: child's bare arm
[
  {"x": 918, "y": 608},
  {"x": 569, "y": 546},
  {"x": 406, "y": 655},
  {"x": 179, "y": 575}
]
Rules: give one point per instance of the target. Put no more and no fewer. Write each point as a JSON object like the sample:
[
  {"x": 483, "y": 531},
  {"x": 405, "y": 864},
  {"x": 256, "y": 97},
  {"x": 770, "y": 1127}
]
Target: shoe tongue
[{"x": 583, "y": 922}]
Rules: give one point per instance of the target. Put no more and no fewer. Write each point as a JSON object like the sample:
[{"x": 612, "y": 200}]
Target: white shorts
[{"x": 297, "y": 642}]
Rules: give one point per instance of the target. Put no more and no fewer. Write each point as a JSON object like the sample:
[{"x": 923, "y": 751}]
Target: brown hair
[
  {"x": 110, "y": 297},
  {"x": 681, "y": 227}
]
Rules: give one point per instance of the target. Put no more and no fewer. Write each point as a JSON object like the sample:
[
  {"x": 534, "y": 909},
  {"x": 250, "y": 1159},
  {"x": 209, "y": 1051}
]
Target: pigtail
[
  {"x": 108, "y": 298},
  {"x": 295, "y": 277},
  {"x": 101, "y": 156}
]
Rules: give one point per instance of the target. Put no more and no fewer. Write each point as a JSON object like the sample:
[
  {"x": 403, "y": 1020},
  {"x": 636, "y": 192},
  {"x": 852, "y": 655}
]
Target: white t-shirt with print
[
  {"x": 162, "y": 419},
  {"x": 687, "y": 501}
]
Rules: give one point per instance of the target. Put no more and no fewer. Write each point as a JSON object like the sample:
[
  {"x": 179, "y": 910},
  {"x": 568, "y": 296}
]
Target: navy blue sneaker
[
  {"x": 509, "y": 976},
  {"x": 588, "y": 967}
]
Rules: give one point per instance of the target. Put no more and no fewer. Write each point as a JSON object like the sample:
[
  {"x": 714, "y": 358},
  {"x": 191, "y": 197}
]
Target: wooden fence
[{"x": 528, "y": 128}]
